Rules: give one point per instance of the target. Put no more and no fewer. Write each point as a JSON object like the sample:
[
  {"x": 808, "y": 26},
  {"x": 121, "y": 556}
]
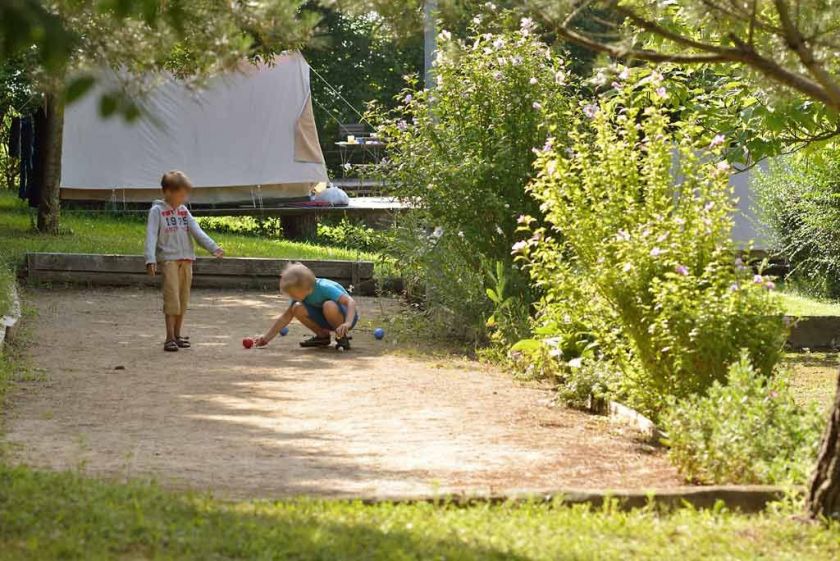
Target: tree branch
[{"x": 797, "y": 43}]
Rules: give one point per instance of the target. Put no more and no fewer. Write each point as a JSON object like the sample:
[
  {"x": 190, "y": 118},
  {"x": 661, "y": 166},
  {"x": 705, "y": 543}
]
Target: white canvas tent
[{"x": 248, "y": 136}]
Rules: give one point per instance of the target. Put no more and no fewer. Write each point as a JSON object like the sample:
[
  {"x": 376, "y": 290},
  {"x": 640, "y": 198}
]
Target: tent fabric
[
  {"x": 307, "y": 145},
  {"x": 238, "y": 138}
]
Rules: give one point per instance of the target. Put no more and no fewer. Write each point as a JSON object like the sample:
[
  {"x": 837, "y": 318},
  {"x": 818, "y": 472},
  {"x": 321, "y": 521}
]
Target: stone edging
[
  {"x": 741, "y": 498},
  {"x": 9, "y": 322}
]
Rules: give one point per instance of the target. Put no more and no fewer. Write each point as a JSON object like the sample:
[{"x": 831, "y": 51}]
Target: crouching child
[{"x": 322, "y": 305}]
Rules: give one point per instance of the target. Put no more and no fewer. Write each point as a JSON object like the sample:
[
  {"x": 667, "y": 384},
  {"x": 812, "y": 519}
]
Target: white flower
[
  {"x": 444, "y": 35},
  {"x": 627, "y": 267},
  {"x": 518, "y": 246},
  {"x": 526, "y": 24},
  {"x": 655, "y": 252},
  {"x": 656, "y": 78},
  {"x": 623, "y": 236},
  {"x": 533, "y": 81},
  {"x": 499, "y": 230},
  {"x": 347, "y": 166},
  {"x": 516, "y": 61},
  {"x": 624, "y": 74},
  {"x": 490, "y": 6},
  {"x": 438, "y": 232},
  {"x": 461, "y": 234},
  {"x": 575, "y": 362},
  {"x": 499, "y": 43},
  {"x": 662, "y": 92},
  {"x": 718, "y": 140},
  {"x": 723, "y": 166},
  {"x": 590, "y": 110},
  {"x": 536, "y": 105},
  {"x": 477, "y": 20},
  {"x": 408, "y": 98},
  {"x": 559, "y": 77}
]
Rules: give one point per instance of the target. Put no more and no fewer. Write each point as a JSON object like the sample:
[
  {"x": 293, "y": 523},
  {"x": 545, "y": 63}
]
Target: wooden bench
[{"x": 235, "y": 272}]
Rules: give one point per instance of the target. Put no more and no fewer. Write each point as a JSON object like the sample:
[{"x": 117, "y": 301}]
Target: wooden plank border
[
  {"x": 234, "y": 272},
  {"x": 741, "y": 498}
]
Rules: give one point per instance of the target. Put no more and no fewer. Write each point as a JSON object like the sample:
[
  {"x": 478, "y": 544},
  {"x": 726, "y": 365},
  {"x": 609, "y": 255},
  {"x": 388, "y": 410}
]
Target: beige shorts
[{"x": 177, "y": 278}]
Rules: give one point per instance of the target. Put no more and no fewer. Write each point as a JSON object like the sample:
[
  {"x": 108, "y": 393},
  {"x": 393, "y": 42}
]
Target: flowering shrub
[
  {"x": 461, "y": 155},
  {"x": 747, "y": 431},
  {"x": 640, "y": 251}
]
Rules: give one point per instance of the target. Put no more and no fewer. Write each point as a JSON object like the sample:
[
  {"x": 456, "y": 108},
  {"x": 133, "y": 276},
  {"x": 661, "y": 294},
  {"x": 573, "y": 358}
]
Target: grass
[
  {"x": 814, "y": 377},
  {"x": 66, "y": 516},
  {"x": 802, "y": 306},
  {"x": 86, "y": 232}
]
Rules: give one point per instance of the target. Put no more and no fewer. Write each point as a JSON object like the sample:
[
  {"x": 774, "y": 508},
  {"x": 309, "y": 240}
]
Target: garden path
[{"x": 281, "y": 421}]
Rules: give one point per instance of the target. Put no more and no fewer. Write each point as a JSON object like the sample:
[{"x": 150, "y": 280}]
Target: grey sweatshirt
[{"x": 170, "y": 233}]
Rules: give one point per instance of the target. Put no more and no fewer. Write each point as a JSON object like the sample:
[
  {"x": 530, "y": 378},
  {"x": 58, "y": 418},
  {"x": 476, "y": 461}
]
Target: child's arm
[
  {"x": 281, "y": 322},
  {"x": 350, "y": 305},
  {"x": 203, "y": 239},
  {"x": 152, "y": 229}
]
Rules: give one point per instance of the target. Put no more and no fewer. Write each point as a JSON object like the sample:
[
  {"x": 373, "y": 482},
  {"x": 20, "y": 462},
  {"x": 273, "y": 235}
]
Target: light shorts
[{"x": 177, "y": 279}]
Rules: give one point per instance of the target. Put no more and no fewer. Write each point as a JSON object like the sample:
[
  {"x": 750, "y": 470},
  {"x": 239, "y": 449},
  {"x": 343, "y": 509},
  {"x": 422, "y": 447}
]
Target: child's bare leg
[
  {"x": 170, "y": 326},
  {"x": 302, "y": 316},
  {"x": 333, "y": 314},
  {"x": 179, "y": 321}
]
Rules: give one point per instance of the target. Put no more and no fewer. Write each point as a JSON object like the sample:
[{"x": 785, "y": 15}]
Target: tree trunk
[
  {"x": 824, "y": 491},
  {"x": 49, "y": 206},
  {"x": 300, "y": 227}
]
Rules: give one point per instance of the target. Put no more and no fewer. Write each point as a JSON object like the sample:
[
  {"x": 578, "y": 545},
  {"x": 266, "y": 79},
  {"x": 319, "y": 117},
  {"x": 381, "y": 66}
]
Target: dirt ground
[{"x": 285, "y": 421}]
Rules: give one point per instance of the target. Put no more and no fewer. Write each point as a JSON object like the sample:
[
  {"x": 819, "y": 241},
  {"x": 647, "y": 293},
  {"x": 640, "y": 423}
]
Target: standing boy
[{"x": 169, "y": 248}]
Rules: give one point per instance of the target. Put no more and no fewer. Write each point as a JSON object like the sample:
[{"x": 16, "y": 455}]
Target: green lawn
[
  {"x": 86, "y": 232},
  {"x": 64, "y": 516},
  {"x": 799, "y": 305}
]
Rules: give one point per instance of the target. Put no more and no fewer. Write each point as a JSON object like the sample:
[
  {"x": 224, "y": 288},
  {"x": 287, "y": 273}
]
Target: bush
[
  {"x": 461, "y": 154},
  {"x": 644, "y": 260},
  {"x": 748, "y": 431},
  {"x": 352, "y": 235},
  {"x": 799, "y": 201}
]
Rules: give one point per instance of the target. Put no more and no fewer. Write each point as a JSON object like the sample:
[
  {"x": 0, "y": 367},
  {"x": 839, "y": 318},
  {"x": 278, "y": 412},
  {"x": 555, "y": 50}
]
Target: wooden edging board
[
  {"x": 233, "y": 272},
  {"x": 741, "y": 498}
]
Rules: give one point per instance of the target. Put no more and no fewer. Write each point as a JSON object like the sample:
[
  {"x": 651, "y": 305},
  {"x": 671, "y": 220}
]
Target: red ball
[{"x": 247, "y": 342}]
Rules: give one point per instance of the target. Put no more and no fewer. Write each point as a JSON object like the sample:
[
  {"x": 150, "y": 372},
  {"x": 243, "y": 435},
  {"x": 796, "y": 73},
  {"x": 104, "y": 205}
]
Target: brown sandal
[
  {"x": 171, "y": 346},
  {"x": 183, "y": 342}
]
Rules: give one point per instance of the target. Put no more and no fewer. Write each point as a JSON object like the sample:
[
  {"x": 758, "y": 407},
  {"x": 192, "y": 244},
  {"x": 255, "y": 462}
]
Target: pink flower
[
  {"x": 655, "y": 252},
  {"x": 718, "y": 140},
  {"x": 662, "y": 92},
  {"x": 682, "y": 270},
  {"x": 518, "y": 246},
  {"x": 758, "y": 279}
]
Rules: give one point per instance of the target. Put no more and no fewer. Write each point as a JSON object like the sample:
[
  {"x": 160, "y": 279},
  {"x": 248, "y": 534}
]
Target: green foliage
[
  {"x": 361, "y": 60},
  {"x": 749, "y": 430},
  {"x": 645, "y": 261},
  {"x": 66, "y": 516},
  {"x": 462, "y": 154},
  {"x": 7, "y": 281},
  {"x": 799, "y": 201},
  {"x": 353, "y": 235}
]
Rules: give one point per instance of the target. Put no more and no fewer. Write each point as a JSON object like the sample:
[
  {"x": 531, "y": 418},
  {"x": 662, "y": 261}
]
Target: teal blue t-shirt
[{"x": 325, "y": 289}]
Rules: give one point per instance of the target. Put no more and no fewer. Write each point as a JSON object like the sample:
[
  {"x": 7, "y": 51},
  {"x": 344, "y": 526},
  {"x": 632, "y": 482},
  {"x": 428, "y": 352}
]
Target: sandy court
[{"x": 283, "y": 420}]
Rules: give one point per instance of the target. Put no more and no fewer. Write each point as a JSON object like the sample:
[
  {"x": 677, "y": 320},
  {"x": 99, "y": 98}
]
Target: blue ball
[
  {"x": 379, "y": 333},
  {"x": 284, "y": 331}
]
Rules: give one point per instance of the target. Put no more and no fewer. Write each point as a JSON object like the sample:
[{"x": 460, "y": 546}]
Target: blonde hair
[
  {"x": 175, "y": 180},
  {"x": 296, "y": 275}
]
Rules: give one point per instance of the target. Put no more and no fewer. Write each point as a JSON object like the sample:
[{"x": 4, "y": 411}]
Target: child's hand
[
  {"x": 342, "y": 329},
  {"x": 219, "y": 253},
  {"x": 261, "y": 341},
  {"x": 151, "y": 269}
]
